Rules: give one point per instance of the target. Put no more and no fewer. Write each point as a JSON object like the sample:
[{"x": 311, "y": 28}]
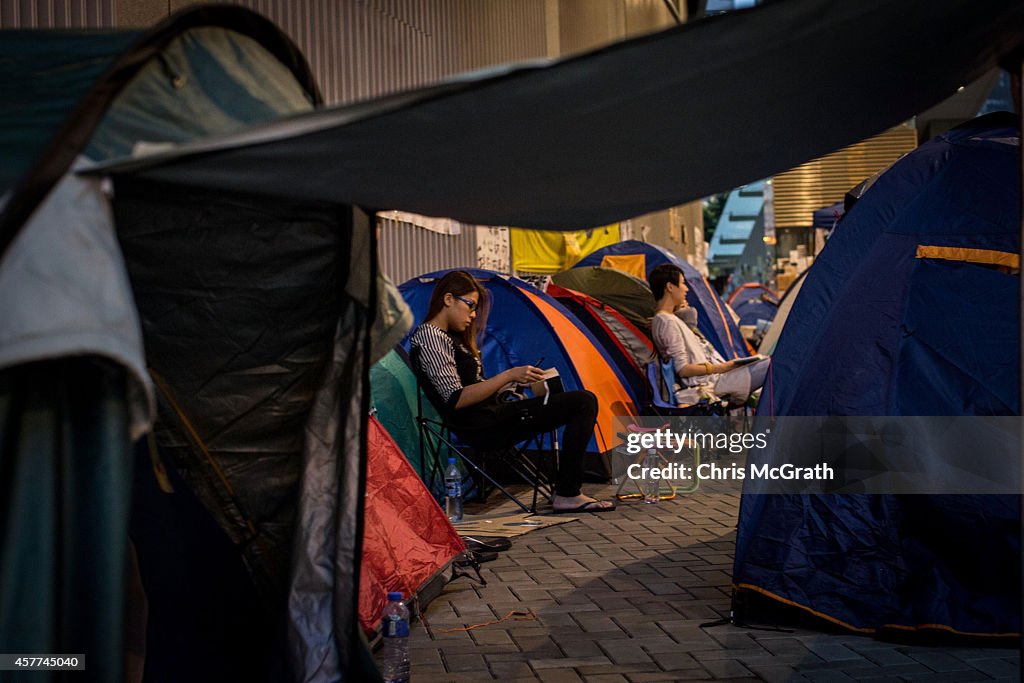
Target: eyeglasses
[{"x": 469, "y": 302}]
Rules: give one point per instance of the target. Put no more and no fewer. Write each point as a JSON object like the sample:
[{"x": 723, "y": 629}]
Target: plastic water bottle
[
  {"x": 394, "y": 665},
  {"x": 453, "y": 492},
  {"x": 652, "y": 485}
]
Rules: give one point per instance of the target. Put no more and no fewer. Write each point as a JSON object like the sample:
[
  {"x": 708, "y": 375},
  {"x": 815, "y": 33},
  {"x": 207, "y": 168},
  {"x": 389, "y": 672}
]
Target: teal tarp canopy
[{"x": 43, "y": 76}]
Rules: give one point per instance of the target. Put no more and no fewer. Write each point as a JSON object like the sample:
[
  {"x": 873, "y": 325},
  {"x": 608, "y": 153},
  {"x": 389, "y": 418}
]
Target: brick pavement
[{"x": 620, "y": 597}]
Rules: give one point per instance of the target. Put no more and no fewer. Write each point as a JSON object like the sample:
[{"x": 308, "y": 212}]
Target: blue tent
[
  {"x": 911, "y": 309},
  {"x": 751, "y": 309},
  {"x": 525, "y": 325},
  {"x": 753, "y": 302},
  {"x": 827, "y": 216},
  {"x": 713, "y": 320}
]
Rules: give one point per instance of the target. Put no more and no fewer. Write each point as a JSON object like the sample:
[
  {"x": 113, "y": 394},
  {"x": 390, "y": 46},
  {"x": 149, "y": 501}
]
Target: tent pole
[
  {"x": 674, "y": 11},
  {"x": 1018, "y": 103},
  {"x": 354, "y": 649}
]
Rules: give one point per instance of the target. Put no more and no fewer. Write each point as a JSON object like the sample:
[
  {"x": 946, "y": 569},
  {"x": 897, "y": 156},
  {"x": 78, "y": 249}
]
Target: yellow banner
[{"x": 552, "y": 251}]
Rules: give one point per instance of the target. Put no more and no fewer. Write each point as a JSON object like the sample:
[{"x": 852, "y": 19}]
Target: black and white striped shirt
[{"x": 446, "y": 362}]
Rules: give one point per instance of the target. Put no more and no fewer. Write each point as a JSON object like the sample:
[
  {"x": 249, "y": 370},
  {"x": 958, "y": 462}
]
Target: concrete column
[
  {"x": 139, "y": 13},
  {"x": 552, "y": 26}
]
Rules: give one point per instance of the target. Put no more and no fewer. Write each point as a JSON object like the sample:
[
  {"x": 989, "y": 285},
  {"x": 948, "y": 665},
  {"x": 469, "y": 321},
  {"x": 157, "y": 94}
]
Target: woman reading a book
[
  {"x": 701, "y": 370},
  {"x": 445, "y": 354}
]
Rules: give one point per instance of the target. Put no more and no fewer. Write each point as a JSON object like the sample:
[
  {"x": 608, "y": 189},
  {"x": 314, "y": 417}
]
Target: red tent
[{"x": 407, "y": 539}]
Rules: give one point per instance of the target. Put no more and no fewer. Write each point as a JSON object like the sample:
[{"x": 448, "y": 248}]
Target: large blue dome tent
[{"x": 912, "y": 308}]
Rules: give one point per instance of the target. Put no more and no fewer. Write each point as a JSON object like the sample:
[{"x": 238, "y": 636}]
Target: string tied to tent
[{"x": 515, "y": 615}]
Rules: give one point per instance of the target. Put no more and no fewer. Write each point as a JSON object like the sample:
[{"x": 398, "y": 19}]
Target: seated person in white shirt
[{"x": 701, "y": 371}]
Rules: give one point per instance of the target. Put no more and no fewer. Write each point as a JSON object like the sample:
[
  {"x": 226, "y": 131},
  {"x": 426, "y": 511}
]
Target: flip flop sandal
[
  {"x": 496, "y": 544},
  {"x": 586, "y": 507},
  {"x": 473, "y": 557}
]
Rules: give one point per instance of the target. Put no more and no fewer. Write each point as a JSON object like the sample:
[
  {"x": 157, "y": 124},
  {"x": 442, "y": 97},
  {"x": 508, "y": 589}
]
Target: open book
[{"x": 551, "y": 384}]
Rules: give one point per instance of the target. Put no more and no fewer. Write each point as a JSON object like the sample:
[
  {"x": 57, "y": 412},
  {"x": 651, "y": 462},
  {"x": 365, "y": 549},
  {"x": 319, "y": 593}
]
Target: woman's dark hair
[
  {"x": 461, "y": 283},
  {"x": 662, "y": 275}
]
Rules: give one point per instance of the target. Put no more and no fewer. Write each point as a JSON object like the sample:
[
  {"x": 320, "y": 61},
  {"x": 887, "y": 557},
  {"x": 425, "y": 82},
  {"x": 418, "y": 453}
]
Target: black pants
[{"x": 506, "y": 424}]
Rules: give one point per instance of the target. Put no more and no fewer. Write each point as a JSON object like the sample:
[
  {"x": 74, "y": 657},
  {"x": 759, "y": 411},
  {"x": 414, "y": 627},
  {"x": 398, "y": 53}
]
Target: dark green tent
[{"x": 628, "y": 295}]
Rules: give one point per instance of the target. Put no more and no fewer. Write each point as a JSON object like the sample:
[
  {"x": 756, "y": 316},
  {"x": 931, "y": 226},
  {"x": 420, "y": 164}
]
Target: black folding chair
[{"x": 439, "y": 441}]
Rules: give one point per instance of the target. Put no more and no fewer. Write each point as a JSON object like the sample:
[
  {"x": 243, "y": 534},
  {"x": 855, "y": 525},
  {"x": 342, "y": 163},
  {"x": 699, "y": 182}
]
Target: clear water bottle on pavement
[
  {"x": 453, "y": 492},
  {"x": 394, "y": 666},
  {"x": 652, "y": 484}
]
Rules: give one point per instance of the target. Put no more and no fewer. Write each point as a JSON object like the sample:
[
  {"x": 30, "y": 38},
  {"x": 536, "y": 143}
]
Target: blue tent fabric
[
  {"x": 960, "y": 190},
  {"x": 517, "y": 332},
  {"x": 826, "y": 216},
  {"x": 752, "y": 308},
  {"x": 878, "y": 330},
  {"x": 713, "y": 321}
]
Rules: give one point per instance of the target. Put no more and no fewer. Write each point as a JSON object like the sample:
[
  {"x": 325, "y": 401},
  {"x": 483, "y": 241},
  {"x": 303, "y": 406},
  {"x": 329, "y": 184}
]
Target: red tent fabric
[
  {"x": 625, "y": 344},
  {"x": 407, "y": 539},
  {"x": 612, "y": 328}
]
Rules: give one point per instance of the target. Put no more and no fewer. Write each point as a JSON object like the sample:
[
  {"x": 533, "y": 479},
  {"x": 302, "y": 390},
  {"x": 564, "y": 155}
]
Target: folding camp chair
[
  {"x": 661, "y": 401},
  {"x": 641, "y": 457},
  {"x": 661, "y": 396},
  {"x": 439, "y": 441}
]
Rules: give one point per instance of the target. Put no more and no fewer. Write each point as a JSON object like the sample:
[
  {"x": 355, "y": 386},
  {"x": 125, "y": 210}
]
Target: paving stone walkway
[{"x": 621, "y": 597}]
